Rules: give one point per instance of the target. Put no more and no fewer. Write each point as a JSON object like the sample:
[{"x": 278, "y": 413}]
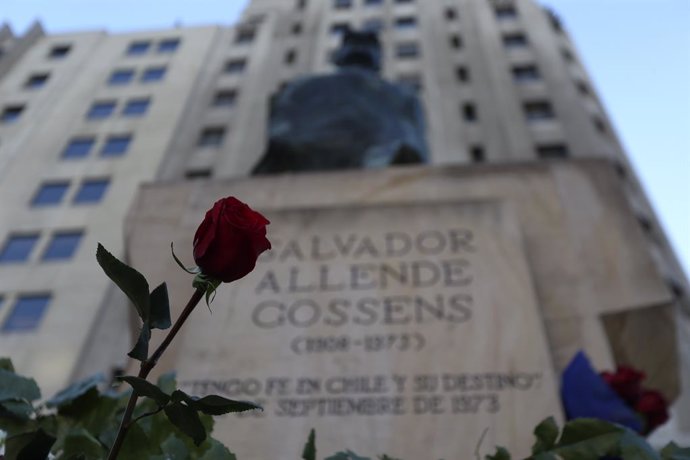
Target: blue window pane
[
  {"x": 78, "y": 147},
  {"x": 11, "y": 113},
  {"x": 101, "y": 110},
  {"x": 92, "y": 191},
  {"x": 62, "y": 246},
  {"x": 26, "y": 314},
  {"x": 135, "y": 107},
  {"x": 153, "y": 74},
  {"x": 121, "y": 77},
  {"x": 50, "y": 194},
  {"x": 138, "y": 48},
  {"x": 235, "y": 66},
  {"x": 168, "y": 46},
  {"x": 18, "y": 248},
  {"x": 36, "y": 81},
  {"x": 116, "y": 145}
]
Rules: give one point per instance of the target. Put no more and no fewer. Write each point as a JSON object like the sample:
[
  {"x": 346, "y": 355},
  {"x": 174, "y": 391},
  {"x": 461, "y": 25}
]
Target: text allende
[
  {"x": 352, "y": 245},
  {"x": 366, "y": 276}
]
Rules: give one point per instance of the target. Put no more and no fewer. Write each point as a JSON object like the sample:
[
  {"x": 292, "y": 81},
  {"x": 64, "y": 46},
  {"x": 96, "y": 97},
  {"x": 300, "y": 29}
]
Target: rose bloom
[
  {"x": 653, "y": 406},
  {"x": 229, "y": 240},
  {"x": 626, "y": 383}
]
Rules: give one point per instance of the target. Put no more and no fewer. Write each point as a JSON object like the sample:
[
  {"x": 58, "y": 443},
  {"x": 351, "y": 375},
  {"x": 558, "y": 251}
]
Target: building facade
[{"x": 86, "y": 118}]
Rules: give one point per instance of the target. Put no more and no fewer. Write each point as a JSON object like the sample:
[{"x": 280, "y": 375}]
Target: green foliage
[
  {"x": 309, "y": 452},
  {"x": 81, "y": 422},
  {"x": 675, "y": 452},
  {"x": 501, "y": 454}
]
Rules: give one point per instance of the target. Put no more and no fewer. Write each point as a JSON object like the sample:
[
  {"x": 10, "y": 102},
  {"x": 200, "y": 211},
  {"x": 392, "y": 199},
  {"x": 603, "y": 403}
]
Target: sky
[{"x": 637, "y": 52}]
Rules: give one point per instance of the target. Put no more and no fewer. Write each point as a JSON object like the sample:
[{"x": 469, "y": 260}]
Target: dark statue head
[
  {"x": 359, "y": 49},
  {"x": 350, "y": 119}
]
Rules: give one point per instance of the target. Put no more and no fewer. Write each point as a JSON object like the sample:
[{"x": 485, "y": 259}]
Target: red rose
[
  {"x": 229, "y": 240},
  {"x": 626, "y": 383},
  {"x": 653, "y": 406}
]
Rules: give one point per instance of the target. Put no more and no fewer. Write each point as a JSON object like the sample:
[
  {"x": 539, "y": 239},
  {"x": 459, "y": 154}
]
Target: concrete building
[{"x": 86, "y": 118}]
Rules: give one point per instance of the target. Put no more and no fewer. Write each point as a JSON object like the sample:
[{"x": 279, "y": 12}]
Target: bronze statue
[{"x": 347, "y": 120}]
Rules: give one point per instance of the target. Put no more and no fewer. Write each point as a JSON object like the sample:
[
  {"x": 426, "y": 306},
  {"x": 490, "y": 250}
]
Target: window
[
  {"x": 599, "y": 124},
  {"x": 290, "y": 57},
  {"x": 567, "y": 55},
  {"x": 451, "y": 14},
  {"x": 101, "y": 110},
  {"x": 36, "y": 81},
  {"x": 301, "y": 4},
  {"x": 18, "y": 248},
  {"x": 407, "y": 50},
  {"x": 373, "y": 2},
  {"x": 550, "y": 151},
  {"x": 198, "y": 174},
  {"x": 526, "y": 73},
  {"x": 235, "y": 66},
  {"x": 91, "y": 191},
  {"x": 469, "y": 112},
  {"x": 583, "y": 88},
  {"x": 121, "y": 77},
  {"x": 153, "y": 74},
  {"x": 245, "y": 36},
  {"x": 538, "y": 111},
  {"x": 463, "y": 74},
  {"x": 412, "y": 80},
  {"x": 477, "y": 153},
  {"x": 78, "y": 147},
  {"x": 50, "y": 194},
  {"x": 506, "y": 12},
  {"x": 516, "y": 40},
  {"x": 212, "y": 137},
  {"x": 136, "y": 107},
  {"x": 296, "y": 28},
  {"x": 225, "y": 98},
  {"x": 456, "y": 41},
  {"x": 138, "y": 48},
  {"x": 116, "y": 146},
  {"x": 373, "y": 25},
  {"x": 62, "y": 245},
  {"x": 406, "y": 23},
  {"x": 169, "y": 45},
  {"x": 59, "y": 51},
  {"x": 27, "y": 313},
  {"x": 404, "y": 1},
  {"x": 11, "y": 113},
  {"x": 342, "y": 4},
  {"x": 339, "y": 28}
]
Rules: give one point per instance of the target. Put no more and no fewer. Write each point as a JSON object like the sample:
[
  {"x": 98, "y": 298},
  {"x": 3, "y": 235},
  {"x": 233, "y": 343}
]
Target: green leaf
[
  {"x": 6, "y": 364},
  {"x": 137, "y": 445},
  {"x": 589, "y": 438},
  {"x": 347, "y": 455},
  {"x": 13, "y": 387},
  {"x": 74, "y": 391},
  {"x": 674, "y": 452},
  {"x": 217, "y": 451},
  {"x": 148, "y": 389},
  {"x": 141, "y": 349},
  {"x": 547, "y": 435},
  {"x": 175, "y": 449},
  {"x": 29, "y": 446},
  {"x": 80, "y": 442},
  {"x": 218, "y": 405},
  {"x": 187, "y": 420},
  {"x": 635, "y": 447},
  {"x": 309, "y": 452},
  {"x": 160, "y": 308},
  {"x": 501, "y": 454},
  {"x": 130, "y": 281},
  {"x": 18, "y": 409}
]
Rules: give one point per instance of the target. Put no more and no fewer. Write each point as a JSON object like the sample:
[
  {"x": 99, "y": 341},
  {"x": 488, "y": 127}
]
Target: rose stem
[{"x": 147, "y": 366}]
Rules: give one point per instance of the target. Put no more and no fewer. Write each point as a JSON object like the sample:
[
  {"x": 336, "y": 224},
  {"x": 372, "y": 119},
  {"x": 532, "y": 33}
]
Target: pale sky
[{"x": 637, "y": 52}]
